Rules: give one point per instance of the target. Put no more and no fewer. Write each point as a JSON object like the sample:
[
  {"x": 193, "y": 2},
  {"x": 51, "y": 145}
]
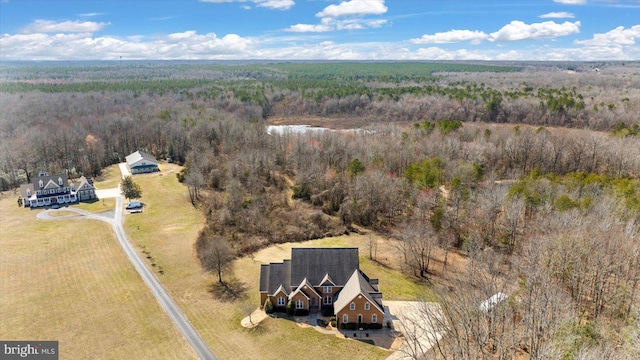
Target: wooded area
[{"x": 531, "y": 170}]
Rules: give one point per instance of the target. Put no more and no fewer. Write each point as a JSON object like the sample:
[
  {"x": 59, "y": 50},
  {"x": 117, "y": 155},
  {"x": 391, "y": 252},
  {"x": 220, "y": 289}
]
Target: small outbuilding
[
  {"x": 141, "y": 162},
  {"x": 495, "y": 300}
]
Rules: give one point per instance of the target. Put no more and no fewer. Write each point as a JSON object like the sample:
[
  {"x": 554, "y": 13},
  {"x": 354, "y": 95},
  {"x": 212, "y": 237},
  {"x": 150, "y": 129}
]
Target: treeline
[{"x": 379, "y": 92}]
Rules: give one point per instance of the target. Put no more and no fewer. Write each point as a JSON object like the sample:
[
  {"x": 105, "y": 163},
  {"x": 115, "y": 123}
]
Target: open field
[
  {"x": 97, "y": 206},
  {"x": 165, "y": 234},
  {"x": 58, "y": 283},
  {"x": 110, "y": 177}
]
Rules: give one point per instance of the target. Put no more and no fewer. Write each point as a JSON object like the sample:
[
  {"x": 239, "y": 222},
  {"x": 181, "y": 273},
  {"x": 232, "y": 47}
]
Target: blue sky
[{"x": 320, "y": 29}]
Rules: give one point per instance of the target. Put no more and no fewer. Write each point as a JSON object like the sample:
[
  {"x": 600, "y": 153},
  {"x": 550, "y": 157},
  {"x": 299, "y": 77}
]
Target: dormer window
[
  {"x": 60, "y": 181},
  {"x": 41, "y": 184},
  {"x": 28, "y": 192},
  {"x": 73, "y": 187}
]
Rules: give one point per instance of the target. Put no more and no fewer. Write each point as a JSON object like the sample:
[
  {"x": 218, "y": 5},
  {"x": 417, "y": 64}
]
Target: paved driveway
[
  {"x": 410, "y": 318},
  {"x": 107, "y": 193},
  {"x": 115, "y": 219},
  {"x": 124, "y": 170}
]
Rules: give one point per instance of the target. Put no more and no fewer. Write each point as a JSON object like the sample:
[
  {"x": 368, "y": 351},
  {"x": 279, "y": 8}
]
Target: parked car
[{"x": 134, "y": 205}]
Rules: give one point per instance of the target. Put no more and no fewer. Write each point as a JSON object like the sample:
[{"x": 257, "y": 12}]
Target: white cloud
[
  {"x": 49, "y": 26},
  {"x": 276, "y": 4},
  {"x": 329, "y": 24},
  {"x": 518, "y": 30},
  {"x": 93, "y": 14},
  {"x": 309, "y": 28},
  {"x": 571, "y": 2},
  {"x": 616, "y": 37},
  {"x": 80, "y": 46},
  {"x": 452, "y": 36},
  {"x": 354, "y": 8},
  {"x": 558, "y": 15},
  {"x": 270, "y": 4},
  {"x": 436, "y": 53},
  {"x": 511, "y": 55}
]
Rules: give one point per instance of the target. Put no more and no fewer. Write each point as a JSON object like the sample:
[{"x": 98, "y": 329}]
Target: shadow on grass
[{"x": 231, "y": 290}]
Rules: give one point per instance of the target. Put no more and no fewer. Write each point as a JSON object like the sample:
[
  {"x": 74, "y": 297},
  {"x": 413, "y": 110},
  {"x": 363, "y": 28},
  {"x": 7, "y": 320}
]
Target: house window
[
  {"x": 327, "y": 289},
  {"x": 60, "y": 181},
  {"x": 281, "y": 301},
  {"x": 345, "y": 318},
  {"x": 41, "y": 184},
  {"x": 353, "y": 306},
  {"x": 299, "y": 304},
  {"x": 366, "y": 306},
  {"x": 327, "y": 300},
  {"x": 374, "y": 318},
  {"x": 28, "y": 192},
  {"x": 359, "y": 318}
]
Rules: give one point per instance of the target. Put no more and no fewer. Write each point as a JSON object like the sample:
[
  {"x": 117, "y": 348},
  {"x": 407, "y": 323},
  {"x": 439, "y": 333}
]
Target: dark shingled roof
[
  {"x": 311, "y": 263},
  {"x": 315, "y": 263},
  {"x": 264, "y": 277},
  {"x": 274, "y": 275}
]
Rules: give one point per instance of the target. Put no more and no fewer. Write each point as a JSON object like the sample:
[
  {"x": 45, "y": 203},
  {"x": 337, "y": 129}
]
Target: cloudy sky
[{"x": 320, "y": 29}]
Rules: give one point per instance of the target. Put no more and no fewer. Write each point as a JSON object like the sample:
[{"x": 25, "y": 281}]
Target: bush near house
[
  {"x": 363, "y": 326},
  {"x": 268, "y": 306}
]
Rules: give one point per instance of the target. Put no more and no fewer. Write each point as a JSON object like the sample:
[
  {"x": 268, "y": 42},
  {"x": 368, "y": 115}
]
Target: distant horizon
[
  {"x": 327, "y": 30},
  {"x": 229, "y": 61}
]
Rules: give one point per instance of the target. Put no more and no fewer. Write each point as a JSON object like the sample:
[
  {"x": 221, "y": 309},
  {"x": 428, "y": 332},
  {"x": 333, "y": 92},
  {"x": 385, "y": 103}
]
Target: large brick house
[
  {"x": 46, "y": 190},
  {"x": 329, "y": 278}
]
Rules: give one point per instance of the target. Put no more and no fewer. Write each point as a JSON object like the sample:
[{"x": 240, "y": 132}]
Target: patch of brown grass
[
  {"x": 98, "y": 206},
  {"x": 69, "y": 281},
  {"x": 167, "y": 231}
]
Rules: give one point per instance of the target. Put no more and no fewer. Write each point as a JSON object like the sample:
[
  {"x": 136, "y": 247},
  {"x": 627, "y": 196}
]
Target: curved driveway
[{"x": 181, "y": 322}]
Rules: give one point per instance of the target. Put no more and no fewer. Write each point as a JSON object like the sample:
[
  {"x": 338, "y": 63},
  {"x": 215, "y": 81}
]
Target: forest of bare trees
[{"x": 531, "y": 171}]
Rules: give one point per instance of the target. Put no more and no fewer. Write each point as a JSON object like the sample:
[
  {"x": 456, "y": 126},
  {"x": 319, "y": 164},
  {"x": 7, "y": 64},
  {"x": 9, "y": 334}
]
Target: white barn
[{"x": 141, "y": 162}]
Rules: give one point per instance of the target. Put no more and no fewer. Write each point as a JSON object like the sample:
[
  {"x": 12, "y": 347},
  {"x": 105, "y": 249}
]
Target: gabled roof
[
  {"x": 315, "y": 263},
  {"x": 50, "y": 181},
  {"x": 274, "y": 276},
  {"x": 51, "y": 185},
  {"x": 84, "y": 184},
  {"x": 357, "y": 285},
  {"x": 280, "y": 289},
  {"x": 140, "y": 155},
  {"x": 306, "y": 292},
  {"x": 23, "y": 191},
  {"x": 326, "y": 279}
]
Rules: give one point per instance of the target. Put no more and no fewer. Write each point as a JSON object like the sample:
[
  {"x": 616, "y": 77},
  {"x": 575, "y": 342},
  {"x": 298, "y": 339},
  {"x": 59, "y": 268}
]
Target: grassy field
[
  {"x": 97, "y": 206},
  {"x": 165, "y": 234},
  {"x": 59, "y": 283},
  {"x": 110, "y": 178}
]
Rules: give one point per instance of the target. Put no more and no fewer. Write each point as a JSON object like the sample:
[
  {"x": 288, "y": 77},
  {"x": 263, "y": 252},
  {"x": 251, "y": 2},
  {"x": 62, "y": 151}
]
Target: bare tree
[{"x": 217, "y": 256}]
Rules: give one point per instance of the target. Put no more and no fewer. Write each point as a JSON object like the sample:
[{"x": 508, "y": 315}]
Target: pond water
[
  {"x": 295, "y": 129},
  {"x": 303, "y": 129}
]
